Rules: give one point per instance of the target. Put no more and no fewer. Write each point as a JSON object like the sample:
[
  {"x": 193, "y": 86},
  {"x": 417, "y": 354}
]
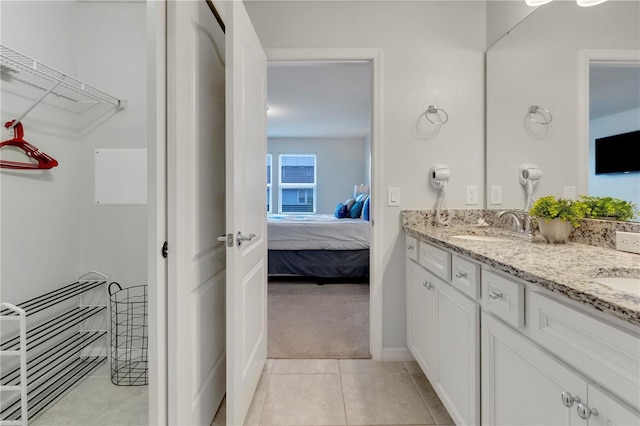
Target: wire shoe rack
[{"x": 55, "y": 346}]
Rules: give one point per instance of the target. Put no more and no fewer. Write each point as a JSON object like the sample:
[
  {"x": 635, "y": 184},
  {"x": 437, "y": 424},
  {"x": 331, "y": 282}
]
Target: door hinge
[{"x": 165, "y": 250}]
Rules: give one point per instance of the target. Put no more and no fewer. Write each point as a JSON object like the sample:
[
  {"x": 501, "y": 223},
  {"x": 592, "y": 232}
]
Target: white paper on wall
[{"x": 121, "y": 176}]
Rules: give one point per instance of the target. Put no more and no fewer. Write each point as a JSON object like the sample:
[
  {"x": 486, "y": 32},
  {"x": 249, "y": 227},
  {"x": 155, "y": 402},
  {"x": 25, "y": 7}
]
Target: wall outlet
[
  {"x": 496, "y": 195},
  {"x": 471, "y": 195},
  {"x": 628, "y": 241},
  {"x": 570, "y": 192}
]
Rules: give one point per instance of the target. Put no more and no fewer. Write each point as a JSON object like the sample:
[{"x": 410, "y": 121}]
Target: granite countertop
[{"x": 566, "y": 269}]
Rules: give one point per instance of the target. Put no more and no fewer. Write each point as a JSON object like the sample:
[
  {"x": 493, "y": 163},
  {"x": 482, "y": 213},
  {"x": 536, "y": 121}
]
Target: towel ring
[
  {"x": 433, "y": 109},
  {"x": 535, "y": 109}
]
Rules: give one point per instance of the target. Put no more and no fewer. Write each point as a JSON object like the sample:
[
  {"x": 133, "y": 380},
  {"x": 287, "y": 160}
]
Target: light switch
[{"x": 393, "y": 197}]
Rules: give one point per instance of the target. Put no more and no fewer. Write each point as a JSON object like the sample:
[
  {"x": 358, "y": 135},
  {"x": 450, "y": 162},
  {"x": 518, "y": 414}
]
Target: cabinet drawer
[
  {"x": 466, "y": 276},
  {"x": 436, "y": 260},
  {"x": 503, "y": 298},
  {"x": 607, "y": 354},
  {"x": 411, "y": 248}
]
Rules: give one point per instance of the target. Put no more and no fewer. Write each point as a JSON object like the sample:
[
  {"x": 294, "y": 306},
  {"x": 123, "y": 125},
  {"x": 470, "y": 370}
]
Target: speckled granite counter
[{"x": 566, "y": 269}]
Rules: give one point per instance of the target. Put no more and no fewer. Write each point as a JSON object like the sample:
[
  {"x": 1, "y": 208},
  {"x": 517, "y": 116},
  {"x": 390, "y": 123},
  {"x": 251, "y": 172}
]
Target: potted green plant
[
  {"x": 609, "y": 208},
  {"x": 557, "y": 217}
]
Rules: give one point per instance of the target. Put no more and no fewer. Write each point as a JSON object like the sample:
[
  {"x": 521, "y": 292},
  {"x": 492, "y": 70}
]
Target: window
[
  {"x": 297, "y": 180},
  {"x": 269, "y": 198}
]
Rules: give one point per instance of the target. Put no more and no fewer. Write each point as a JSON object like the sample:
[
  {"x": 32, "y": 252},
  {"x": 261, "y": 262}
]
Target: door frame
[
  {"x": 157, "y": 209},
  {"x": 377, "y": 210}
]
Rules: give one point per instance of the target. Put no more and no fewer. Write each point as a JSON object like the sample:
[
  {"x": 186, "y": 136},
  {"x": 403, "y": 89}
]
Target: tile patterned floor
[{"x": 343, "y": 392}]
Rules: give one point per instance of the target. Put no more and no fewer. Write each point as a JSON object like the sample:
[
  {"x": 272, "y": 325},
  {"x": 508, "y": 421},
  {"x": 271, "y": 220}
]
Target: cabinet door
[
  {"x": 459, "y": 354},
  {"x": 609, "y": 411},
  {"x": 421, "y": 319},
  {"x": 521, "y": 384}
]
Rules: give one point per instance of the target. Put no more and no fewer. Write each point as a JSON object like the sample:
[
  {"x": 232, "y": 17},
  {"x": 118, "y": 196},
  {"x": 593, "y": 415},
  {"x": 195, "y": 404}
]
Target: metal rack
[
  {"x": 49, "y": 354},
  {"x": 18, "y": 67}
]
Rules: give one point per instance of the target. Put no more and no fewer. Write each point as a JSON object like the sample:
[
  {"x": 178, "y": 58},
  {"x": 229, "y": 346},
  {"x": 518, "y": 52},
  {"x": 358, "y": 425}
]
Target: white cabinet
[
  {"x": 458, "y": 354},
  {"x": 608, "y": 355},
  {"x": 443, "y": 328},
  {"x": 608, "y": 410},
  {"x": 521, "y": 384},
  {"x": 560, "y": 365},
  {"x": 421, "y": 317},
  {"x": 524, "y": 385}
]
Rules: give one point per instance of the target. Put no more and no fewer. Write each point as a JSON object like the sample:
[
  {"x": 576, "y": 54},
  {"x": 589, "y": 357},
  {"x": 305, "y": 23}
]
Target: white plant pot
[{"x": 555, "y": 230}]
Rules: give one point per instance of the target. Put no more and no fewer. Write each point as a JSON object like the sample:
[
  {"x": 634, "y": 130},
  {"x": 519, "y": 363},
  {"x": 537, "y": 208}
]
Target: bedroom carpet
[{"x": 307, "y": 320}]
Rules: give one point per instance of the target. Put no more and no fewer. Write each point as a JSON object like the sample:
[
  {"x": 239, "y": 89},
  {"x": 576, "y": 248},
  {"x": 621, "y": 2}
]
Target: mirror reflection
[{"x": 549, "y": 60}]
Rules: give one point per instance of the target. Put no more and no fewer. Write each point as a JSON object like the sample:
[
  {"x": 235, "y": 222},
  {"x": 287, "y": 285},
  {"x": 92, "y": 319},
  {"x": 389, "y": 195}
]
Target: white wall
[
  {"x": 339, "y": 162},
  {"x": 51, "y": 231},
  {"x": 623, "y": 186},
  {"x": 112, "y": 53},
  {"x": 539, "y": 63},
  {"x": 39, "y": 210},
  {"x": 432, "y": 53}
]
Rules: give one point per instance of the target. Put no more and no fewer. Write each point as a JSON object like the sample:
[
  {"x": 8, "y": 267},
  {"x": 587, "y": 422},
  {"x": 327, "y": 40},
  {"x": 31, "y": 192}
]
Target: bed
[{"x": 318, "y": 245}]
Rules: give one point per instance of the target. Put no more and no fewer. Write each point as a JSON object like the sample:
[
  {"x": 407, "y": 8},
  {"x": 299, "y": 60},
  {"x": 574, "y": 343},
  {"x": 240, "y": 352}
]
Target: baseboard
[{"x": 397, "y": 354}]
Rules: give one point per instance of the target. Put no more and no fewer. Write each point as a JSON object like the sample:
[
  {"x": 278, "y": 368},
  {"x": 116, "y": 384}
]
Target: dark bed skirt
[{"x": 320, "y": 263}]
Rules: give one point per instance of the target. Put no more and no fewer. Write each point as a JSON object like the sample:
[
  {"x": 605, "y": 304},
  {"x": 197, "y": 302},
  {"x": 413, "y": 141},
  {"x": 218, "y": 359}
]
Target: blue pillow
[
  {"x": 365, "y": 209},
  {"x": 356, "y": 210},
  {"x": 341, "y": 211}
]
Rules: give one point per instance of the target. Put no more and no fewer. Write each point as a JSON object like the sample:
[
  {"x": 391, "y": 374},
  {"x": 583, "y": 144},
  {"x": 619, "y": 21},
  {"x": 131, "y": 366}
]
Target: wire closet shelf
[{"x": 18, "y": 67}]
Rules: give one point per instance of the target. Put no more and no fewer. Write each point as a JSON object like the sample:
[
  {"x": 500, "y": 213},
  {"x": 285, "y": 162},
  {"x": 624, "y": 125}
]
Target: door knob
[
  {"x": 241, "y": 237},
  {"x": 226, "y": 238}
]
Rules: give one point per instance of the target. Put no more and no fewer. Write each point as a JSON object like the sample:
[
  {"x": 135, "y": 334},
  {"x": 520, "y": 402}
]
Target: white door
[
  {"x": 195, "y": 213},
  {"x": 246, "y": 68}
]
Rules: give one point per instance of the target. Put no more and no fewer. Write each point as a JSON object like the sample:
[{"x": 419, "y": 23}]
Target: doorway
[{"x": 315, "y": 122}]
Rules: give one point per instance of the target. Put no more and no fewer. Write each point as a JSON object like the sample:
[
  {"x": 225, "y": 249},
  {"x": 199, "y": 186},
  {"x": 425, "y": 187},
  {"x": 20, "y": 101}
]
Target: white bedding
[{"x": 316, "y": 232}]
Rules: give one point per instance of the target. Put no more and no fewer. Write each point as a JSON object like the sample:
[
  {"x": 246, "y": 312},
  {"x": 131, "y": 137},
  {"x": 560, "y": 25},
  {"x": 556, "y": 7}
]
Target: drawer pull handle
[
  {"x": 427, "y": 285},
  {"x": 568, "y": 399},
  {"x": 461, "y": 274},
  {"x": 410, "y": 247},
  {"x": 585, "y": 412},
  {"x": 495, "y": 295}
]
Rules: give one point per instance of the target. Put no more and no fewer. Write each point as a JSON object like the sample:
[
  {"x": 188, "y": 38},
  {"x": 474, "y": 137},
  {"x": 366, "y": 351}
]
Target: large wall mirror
[{"x": 582, "y": 65}]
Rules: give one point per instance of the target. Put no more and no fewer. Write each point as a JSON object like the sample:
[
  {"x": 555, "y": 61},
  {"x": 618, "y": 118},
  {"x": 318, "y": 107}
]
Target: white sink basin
[
  {"x": 629, "y": 285},
  {"x": 481, "y": 238}
]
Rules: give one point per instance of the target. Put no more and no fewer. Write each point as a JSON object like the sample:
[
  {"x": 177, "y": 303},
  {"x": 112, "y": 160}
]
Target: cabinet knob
[
  {"x": 427, "y": 285},
  {"x": 495, "y": 295},
  {"x": 568, "y": 399},
  {"x": 461, "y": 274},
  {"x": 585, "y": 412},
  {"x": 410, "y": 247}
]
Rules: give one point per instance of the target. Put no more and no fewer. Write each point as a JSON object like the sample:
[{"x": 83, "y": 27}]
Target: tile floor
[
  {"x": 295, "y": 392},
  {"x": 301, "y": 392}
]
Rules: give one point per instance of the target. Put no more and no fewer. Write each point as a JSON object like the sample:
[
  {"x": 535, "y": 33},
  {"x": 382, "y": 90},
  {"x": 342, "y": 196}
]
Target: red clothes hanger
[{"x": 43, "y": 160}]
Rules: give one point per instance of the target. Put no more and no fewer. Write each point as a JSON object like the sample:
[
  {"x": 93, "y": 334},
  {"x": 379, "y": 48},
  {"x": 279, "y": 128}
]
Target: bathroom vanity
[{"x": 514, "y": 332}]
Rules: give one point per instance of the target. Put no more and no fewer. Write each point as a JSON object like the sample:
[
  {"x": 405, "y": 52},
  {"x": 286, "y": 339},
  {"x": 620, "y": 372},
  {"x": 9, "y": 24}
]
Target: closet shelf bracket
[{"x": 21, "y": 68}]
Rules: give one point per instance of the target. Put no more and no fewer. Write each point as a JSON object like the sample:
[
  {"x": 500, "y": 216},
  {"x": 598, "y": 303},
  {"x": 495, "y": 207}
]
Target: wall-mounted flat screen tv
[{"x": 618, "y": 153}]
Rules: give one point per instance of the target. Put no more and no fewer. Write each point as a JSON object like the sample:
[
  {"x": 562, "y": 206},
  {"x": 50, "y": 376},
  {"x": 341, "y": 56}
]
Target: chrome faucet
[
  {"x": 516, "y": 224},
  {"x": 521, "y": 224}
]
